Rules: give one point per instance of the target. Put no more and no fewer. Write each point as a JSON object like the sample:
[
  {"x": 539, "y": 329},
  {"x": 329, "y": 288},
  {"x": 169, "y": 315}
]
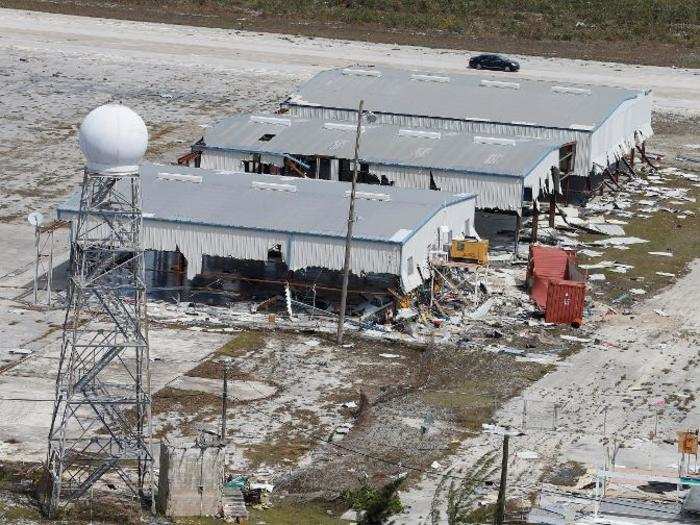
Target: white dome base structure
[{"x": 113, "y": 139}]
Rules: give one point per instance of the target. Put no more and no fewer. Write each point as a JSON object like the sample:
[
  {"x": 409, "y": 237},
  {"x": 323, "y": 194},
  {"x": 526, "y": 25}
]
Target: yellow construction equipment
[{"x": 469, "y": 250}]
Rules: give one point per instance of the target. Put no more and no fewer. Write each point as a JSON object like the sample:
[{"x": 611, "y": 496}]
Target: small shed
[
  {"x": 595, "y": 125},
  {"x": 201, "y": 212},
  {"x": 501, "y": 171}
]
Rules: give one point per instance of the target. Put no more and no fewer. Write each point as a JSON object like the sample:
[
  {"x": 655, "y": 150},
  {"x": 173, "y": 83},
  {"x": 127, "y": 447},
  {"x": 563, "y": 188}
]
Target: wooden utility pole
[
  {"x": 224, "y": 403},
  {"x": 501, "y": 502},
  {"x": 535, "y": 219},
  {"x": 351, "y": 221},
  {"x": 556, "y": 181}
]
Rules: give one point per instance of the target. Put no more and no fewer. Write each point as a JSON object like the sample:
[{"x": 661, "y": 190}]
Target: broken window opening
[
  {"x": 433, "y": 186},
  {"x": 274, "y": 254},
  {"x": 567, "y": 156}
]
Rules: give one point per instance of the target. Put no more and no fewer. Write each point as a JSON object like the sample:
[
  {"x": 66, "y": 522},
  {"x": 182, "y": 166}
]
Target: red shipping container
[
  {"x": 565, "y": 302},
  {"x": 556, "y": 284}
]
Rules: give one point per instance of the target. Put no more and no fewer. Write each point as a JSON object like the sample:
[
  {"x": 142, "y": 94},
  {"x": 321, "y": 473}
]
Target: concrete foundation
[{"x": 190, "y": 482}]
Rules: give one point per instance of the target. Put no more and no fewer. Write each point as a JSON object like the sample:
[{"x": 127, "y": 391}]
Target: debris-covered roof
[
  {"x": 380, "y": 144},
  {"x": 282, "y": 204},
  {"x": 474, "y": 97}
]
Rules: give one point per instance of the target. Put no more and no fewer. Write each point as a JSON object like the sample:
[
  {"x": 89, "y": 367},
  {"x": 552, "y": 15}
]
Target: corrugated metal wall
[
  {"x": 456, "y": 217},
  {"x": 493, "y": 191},
  {"x": 616, "y": 137},
  {"x": 617, "y": 131}
]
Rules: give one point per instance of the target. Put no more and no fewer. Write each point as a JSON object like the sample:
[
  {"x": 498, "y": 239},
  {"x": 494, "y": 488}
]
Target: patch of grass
[
  {"x": 184, "y": 401},
  {"x": 287, "y": 444},
  {"x": 205, "y": 520},
  {"x": 665, "y": 232},
  {"x": 242, "y": 344},
  {"x": 471, "y": 391},
  {"x": 104, "y": 510},
  {"x": 294, "y": 514},
  {"x": 18, "y": 513}
]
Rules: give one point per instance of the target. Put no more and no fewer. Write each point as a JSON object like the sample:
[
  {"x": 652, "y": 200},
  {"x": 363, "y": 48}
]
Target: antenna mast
[{"x": 101, "y": 416}]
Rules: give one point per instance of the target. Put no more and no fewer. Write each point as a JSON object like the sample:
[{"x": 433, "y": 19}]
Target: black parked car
[{"x": 496, "y": 62}]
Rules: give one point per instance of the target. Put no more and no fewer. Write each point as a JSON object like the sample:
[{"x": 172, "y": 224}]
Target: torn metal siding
[
  {"x": 492, "y": 191},
  {"x": 616, "y": 136},
  {"x": 583, "y": 162},
  {"x": 228, "y": 219},
  {"x": 607, "y": 117},
  {"x": 223, "y": 160},
  {"x": 299, "y": 251},
  {"x": 449, "y": 149}
]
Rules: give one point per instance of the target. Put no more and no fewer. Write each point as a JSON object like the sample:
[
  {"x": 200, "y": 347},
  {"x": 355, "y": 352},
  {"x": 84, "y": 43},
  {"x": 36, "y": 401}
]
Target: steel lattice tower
[{"x": 101, "y": 415}]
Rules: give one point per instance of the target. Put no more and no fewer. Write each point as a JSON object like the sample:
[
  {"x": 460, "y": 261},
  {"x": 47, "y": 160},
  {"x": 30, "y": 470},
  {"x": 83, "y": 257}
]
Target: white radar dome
[{"x": 113, "y": 139}]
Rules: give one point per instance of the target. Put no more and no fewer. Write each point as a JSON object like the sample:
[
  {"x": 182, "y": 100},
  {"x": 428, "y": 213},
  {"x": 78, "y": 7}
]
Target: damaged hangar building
[
  {"x": 595, "y": 126},
  {"x": 497, "y": 169},
  {"x": 205, "y": 222}
]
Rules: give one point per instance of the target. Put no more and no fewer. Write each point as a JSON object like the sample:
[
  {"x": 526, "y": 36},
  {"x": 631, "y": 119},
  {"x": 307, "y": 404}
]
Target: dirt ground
[
  {"x": 215, "y": 14},
  {"x": 292, "y": 387}
]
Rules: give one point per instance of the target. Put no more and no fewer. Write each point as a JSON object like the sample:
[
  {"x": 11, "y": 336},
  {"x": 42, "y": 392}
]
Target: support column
[
  {"x": 632, "y": 158},
  {"x": 535, "y": 219},
  {"x": 518, "y": 224},
  {"x": 552, "y": 208},
  {"x": 553, "y": 195}
]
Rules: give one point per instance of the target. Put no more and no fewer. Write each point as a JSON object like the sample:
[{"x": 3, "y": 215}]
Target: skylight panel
[
  {"x": 571, "y": 90},
  {"x": 420, "y": 134},
  {"x": 369, "y": 196},
  {"x": 274, "y": 186},
  {"x": 271, "y": 120},
  {"x": 179, "y": 177},
  {"x": 430, "y": 78},
  {"x": 499, "y": 84},
  {"x": 339, "y": 126},
  {"x": 362, "y": 73},
  {"x": 495, "y": 141}
]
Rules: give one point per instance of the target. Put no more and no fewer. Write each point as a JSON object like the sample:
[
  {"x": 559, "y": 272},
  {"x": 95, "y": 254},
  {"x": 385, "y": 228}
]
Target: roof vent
[
  {"x": 499, "y": 84},
  {"x": 582, "y": 127},
  {"x": 273, "y": 186},
  {"x": 430, "y": 78},
  {"x": 369, "y": 196},
  {"x": 271, "y": 120},
  {"x": 494, "y": 141},
  {"x": 420, "y": 134},
  {"x": 341, "y": 127},
  {"x": 362, "y": 72},
  {"x": 571, "y": 90},
  {"x": 180, "y": 177}
]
